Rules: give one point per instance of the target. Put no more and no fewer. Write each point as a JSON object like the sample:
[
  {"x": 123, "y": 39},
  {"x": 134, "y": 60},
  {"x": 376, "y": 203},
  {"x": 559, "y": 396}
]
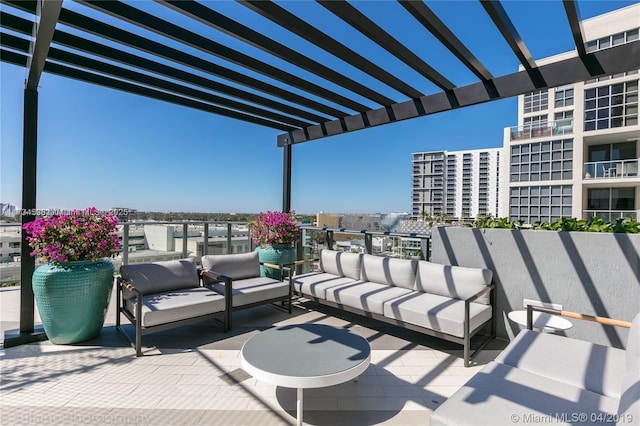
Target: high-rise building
[
  {"x": 575, "y": 150},
  {"x": 458, "y": 184}
]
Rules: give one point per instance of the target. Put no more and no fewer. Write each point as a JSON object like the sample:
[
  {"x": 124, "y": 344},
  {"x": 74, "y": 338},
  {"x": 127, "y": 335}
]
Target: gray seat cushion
[
  {"x": 500, "y": 394},
  {"x": 596, "y": 368},
  {"x": 452, "y": 281},
  {"x": 438, "y": 313},
  {"x": 237, "y": 266},
  {"x": 162, "y": 308},
  {"x": 158, "y": 277},
  {"x": 365, "y": 295},
  {"x": 340, "y": 263},
  {"x": 315, "y": 284},
  {"x": 389, "y": 271},
  {"x": 254, "y": 290}
]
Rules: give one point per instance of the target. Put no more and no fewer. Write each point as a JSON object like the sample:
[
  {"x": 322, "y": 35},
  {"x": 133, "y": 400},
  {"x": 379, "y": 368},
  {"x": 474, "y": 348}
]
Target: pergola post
[
  {"x": 27, "y": 263},
  {"x": 286, "y": 178},
  {"x": 29, "y": 159},
  {"x": 42, "y": 32}
]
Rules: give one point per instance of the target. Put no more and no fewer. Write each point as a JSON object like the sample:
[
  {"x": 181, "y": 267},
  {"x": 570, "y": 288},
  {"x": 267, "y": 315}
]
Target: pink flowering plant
[
  {"x": 274, "y": 228},
  {"x": 80, "y": 235}
]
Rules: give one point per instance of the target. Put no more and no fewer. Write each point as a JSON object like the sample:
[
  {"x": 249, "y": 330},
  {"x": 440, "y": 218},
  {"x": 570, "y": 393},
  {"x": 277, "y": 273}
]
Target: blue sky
[{"x": 105, "y": 148}]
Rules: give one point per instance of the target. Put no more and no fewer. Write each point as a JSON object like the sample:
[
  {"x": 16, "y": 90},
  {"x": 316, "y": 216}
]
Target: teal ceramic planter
[
  {"x": 72, "y": 299},
  {"x": 278, "y": 255}
]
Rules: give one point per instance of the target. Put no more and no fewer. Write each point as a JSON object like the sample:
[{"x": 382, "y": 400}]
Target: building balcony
[
  {"x": 551, "y": 128},
  {"x": 618, "y": 169}
]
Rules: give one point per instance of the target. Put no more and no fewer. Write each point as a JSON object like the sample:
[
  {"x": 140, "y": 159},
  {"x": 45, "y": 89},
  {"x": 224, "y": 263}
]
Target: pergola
[{"x": 73, "y": 42}]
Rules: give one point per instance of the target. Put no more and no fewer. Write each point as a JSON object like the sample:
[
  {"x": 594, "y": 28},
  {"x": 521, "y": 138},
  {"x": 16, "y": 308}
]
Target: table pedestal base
[{"x": 299, "y": 407}]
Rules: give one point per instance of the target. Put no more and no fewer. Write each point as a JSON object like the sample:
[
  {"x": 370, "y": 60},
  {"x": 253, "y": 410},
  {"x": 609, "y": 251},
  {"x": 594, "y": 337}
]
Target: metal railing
[
  {"x": 617, "y": 169},
  {"x": 534, "y": 130},
  {"x": 380, "y": 243},
  {"x": 166, "y": 240}
]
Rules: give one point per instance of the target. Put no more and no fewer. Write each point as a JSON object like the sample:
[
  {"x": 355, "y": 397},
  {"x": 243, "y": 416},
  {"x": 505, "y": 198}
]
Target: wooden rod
[{"x": 600, "y": 320}]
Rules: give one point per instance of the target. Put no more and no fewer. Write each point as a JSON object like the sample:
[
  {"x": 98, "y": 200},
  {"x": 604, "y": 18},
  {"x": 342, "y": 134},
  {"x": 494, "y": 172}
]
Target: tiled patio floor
[{"x": 192, "y": 376}]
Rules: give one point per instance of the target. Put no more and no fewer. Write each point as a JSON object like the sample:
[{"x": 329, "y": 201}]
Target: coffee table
[{"x": 305, "y": 356}]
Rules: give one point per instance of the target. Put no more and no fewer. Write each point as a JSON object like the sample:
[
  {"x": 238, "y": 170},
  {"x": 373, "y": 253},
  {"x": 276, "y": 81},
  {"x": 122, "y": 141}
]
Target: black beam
[
  {"x": 109, "y": 32},
  {"x": 504, "y": 24},
  {"x": 291, "y": 22},
  {"x": 241, "y": 32},
  {"x": 101, "y": 50},
  {"x": 43, "y": 28},
  {"x": 571, "y": 9},
  {"x": 366, "y": 26},
  {"x": 148, "y": 80},
  {"x": 286, "y": 178},
  {"x": 439, "y": 29},
  {"x": 101, "y": 80},
  {"x": 152, "y": 23},
  {"x": 618, "y": 59}
]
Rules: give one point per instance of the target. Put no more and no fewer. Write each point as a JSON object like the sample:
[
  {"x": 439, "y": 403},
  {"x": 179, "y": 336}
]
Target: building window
[
  {"x": 564, "y": 96},
  {"x": 542, "y": 161},
  {"x": 611, "y": 106},
  {"x": 536, "y": 101},
  {"x": 540, "y": 203},
  {"x": 535, "y": 122},
  {"x": 609, "y": 77},
  {"x": 611, "y": 203},
  {"x": 612, "y": 40}
]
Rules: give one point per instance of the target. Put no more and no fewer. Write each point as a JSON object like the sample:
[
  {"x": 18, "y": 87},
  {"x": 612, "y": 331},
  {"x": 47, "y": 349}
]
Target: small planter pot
[
  {"x": 277, "y": 255},
  {"x": 72, "y": 299}
]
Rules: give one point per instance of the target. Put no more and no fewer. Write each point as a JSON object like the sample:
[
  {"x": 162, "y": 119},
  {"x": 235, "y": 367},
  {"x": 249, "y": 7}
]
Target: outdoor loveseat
[
  {"x": 449, "y": 302},
  {"x": 548, "y": 378},
  {"x": 161, "y": 295}
]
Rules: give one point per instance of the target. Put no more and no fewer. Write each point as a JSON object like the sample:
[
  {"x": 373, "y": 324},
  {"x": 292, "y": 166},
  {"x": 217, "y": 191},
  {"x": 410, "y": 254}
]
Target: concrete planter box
[{"x": 586, "y": 272}]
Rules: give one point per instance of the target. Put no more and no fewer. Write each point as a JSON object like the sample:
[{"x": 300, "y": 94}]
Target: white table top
[
  {"x": 305, "y": 355},
  {"x": 541, "y": 320}
]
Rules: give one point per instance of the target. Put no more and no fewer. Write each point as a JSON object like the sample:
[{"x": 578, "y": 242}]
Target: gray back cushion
[
  {"x": 452, "y": 281},
  {"x": 385, "y": 270},
  {"x": 157, "y": 277},
  {"x": 340, "y": 263},
  {"x": 629, "y": 407},
  {"x": 236, "y": 266}
]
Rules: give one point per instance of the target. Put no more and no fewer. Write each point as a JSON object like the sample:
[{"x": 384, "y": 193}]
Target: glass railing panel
[
  {"x": 618, "y": 169},
  {"x": 10, "y": 237},
  {"x": 552, "y": 128},
  {"x": 610, "y": 215}
]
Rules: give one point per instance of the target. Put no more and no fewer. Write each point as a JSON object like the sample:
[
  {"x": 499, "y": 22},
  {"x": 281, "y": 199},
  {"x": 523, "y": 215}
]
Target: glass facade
[
  {"x": 563, "y": 97},
  {"x": 612, "y": 40},
  {"x": 536, "y": 101},
  {"x": 539, "y": 161},
  {"x": 615, "y": 105},
  {"x": 540, "y": 203}
]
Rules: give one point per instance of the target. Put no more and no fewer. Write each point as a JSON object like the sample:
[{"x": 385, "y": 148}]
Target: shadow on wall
[{"x": 590, "y": 273}]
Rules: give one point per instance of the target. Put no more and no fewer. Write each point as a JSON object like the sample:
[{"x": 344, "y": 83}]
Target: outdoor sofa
[
  {"x": 449, "y": 302},
  {"x": 548, "y": 378}
]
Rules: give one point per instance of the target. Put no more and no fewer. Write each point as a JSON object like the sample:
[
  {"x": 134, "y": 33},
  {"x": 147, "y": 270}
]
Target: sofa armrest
[
  {"x": 573, "y": 315},
  {"x": 480, "y": 293},
  {"x": 302, "y": 262},
  {"x": 122, "y": 283},
  {"x": 467, "y": 305}
]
